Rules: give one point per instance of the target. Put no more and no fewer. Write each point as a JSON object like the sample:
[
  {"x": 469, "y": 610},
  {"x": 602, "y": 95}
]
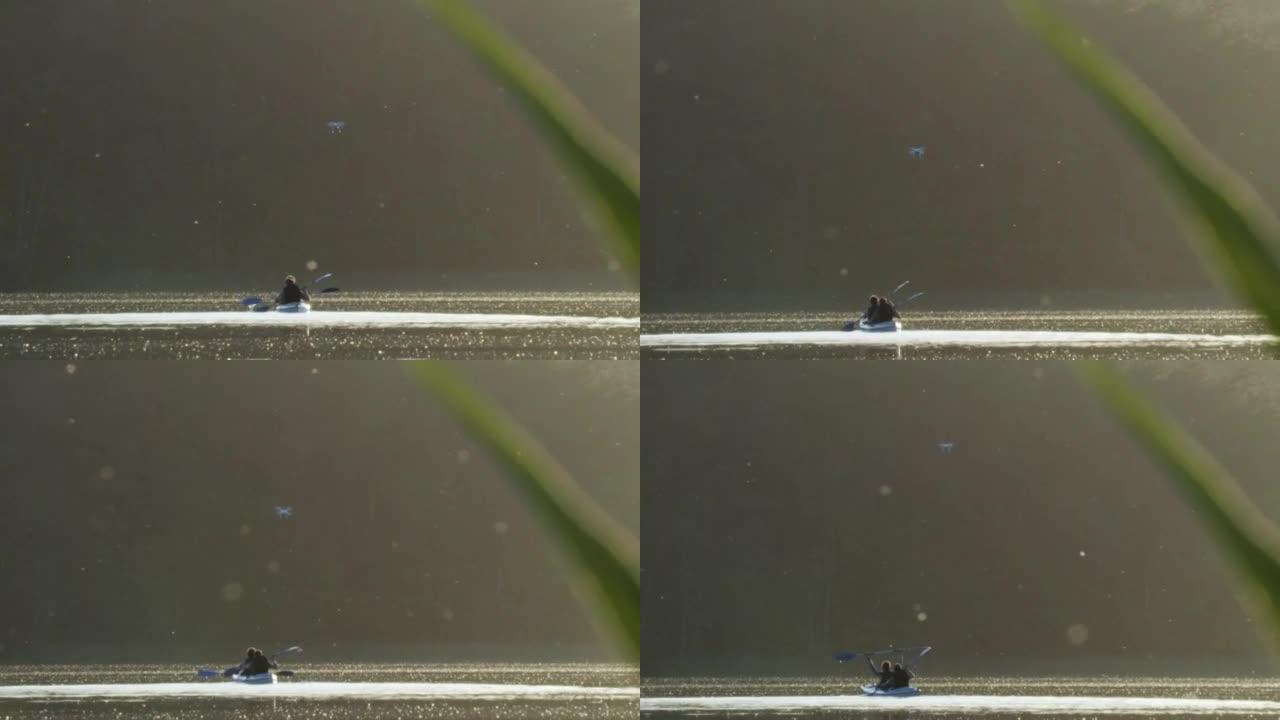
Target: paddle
[
  {"x": 845, "y": 656},
  {"x": 286, "y": 651}
]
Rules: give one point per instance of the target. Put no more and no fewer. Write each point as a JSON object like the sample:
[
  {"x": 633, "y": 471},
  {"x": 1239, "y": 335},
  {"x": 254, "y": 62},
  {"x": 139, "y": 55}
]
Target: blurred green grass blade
[
  {"x": 1242, "y": 235},
  {"x": 606, "y": 554},
  {"x": 1244, "y": 534},
  {"x": 608, "y": 171}
]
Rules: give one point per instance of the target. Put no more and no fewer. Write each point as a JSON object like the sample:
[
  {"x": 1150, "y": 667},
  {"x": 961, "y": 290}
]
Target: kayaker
[
  {"x": 244, "y": 664},
  {"x": 259, "y": 664},
  {"x": 885, "y": 311},
  {"x": 872, "y": 307},
  {"x": 885, "y": 673},
  {"x": 900, "y": 677},
  {"x": 291, "y": 292}
]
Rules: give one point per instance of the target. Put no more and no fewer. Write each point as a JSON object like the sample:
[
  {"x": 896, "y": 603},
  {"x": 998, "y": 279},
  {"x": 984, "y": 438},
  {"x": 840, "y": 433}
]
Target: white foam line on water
[
  {"x": 964, "y": 704},
  {"x": 316, "y": 319},
  {"x": 314, "y": 690},
  {"x": 952, "y": 338}
]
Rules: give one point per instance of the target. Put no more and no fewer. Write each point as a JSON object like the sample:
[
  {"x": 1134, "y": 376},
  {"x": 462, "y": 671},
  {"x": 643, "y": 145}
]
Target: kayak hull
[
  {"x": 267, "y": 678},
  {"x": 887, "y": 326},
  {"x": 864, "y": 326},
  {"x": 298, "y": 307},
  {"x": 870, "y": 690}
]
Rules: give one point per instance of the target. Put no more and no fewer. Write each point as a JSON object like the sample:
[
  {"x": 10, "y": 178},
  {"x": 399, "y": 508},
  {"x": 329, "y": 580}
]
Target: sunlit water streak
[
  {"x": 968, "y": 704},
  {"x": 342, "y": 692},
  {"x": 302, "y": 689},
  {"x": 314, "y": 320},
  {"x": 964, "y": 335},
  {"x": 576, "y": 325},
  {"x": 806, "y": 699}
]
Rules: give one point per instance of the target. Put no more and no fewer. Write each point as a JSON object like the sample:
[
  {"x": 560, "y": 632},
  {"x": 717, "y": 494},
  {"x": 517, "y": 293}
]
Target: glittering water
[
  {"x": 942, "y": 697},
  {"x": 459, "y": 325},
  {"x": 1024, "y": 335},
  {"x": 330, "y": 691}
]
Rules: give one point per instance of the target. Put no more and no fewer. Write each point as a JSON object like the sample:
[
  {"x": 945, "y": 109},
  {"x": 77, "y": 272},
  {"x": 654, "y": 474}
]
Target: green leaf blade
[
  {"x": 1241, "y": 234},
  {"x": 607, "y": 172},
  {"x": 1244, "y": 535},
  {"x": 606, "y": 555}
]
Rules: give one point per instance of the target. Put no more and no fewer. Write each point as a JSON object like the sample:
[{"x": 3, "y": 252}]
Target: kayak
[
  {"x": 886, "y": 327},
  {"x": 296, "y": 307},
  {"x": 266, "y": 678},
  {"x": 864, "y": 326},
  {"x": 895, "y": 692}
]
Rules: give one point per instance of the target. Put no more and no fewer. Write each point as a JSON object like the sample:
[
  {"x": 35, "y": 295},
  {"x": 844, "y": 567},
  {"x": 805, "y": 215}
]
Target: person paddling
[
  {"x": 886, "y": 311},
  {"x": 885, "y": 673},
  {"x": 255, "y": 663},
  {"x": 291, "y": 292},
  {"x": 900, "y": 677},
  {"x": 244, "y": 664},
  {"x": 873, "y": 307}
]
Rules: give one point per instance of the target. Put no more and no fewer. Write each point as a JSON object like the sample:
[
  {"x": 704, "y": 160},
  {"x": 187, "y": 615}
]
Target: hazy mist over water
[
  {"x": 777, "y": 138},
  {"x": 990, "y": 509},
  {"x": 142, "y": 512},
  {"x": 188, "y": 139}
]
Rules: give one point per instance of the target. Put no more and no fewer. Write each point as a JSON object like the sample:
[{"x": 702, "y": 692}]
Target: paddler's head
[
  {"x": 873, "y": 300},
  {"x": 290, "y": 280},
  {"x": 897, "y": 666},
  {"x": 250, "y": 652},
  {"x": 884, "y": 665}
]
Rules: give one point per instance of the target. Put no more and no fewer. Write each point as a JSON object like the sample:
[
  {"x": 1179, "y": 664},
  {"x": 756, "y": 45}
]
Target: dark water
[
  {"x": 345, "y": 326},
  {"x": 332, "y": 692},
  {"x": 943, "y": 697},
  {"x": 965, "y": 335}
]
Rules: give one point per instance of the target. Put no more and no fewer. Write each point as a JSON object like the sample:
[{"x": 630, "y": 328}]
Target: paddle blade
[
  {"x": 263, "y": 307},
  {"x": 285, "y": 673},
  {"x": 913, "y": 297},
  {"x": 325, "y": 276},
  {"x": 895, "y": 290},
  {"x": 208, "y": 672},
  {"x": 851, "y": 325},
  {"x": 327, "y": 290},
  {"x": 845, "y": 656},
  {"x": 252, "y": 301}
]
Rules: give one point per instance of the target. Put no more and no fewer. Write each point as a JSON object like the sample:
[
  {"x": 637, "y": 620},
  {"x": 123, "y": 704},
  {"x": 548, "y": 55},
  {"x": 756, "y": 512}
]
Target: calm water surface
[
  {"x": 1010, "y": 334},
  {"x": 345, "y": 326},
  {"x": 949, "y": 697},
  {"x": 332, "y": 692}
]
